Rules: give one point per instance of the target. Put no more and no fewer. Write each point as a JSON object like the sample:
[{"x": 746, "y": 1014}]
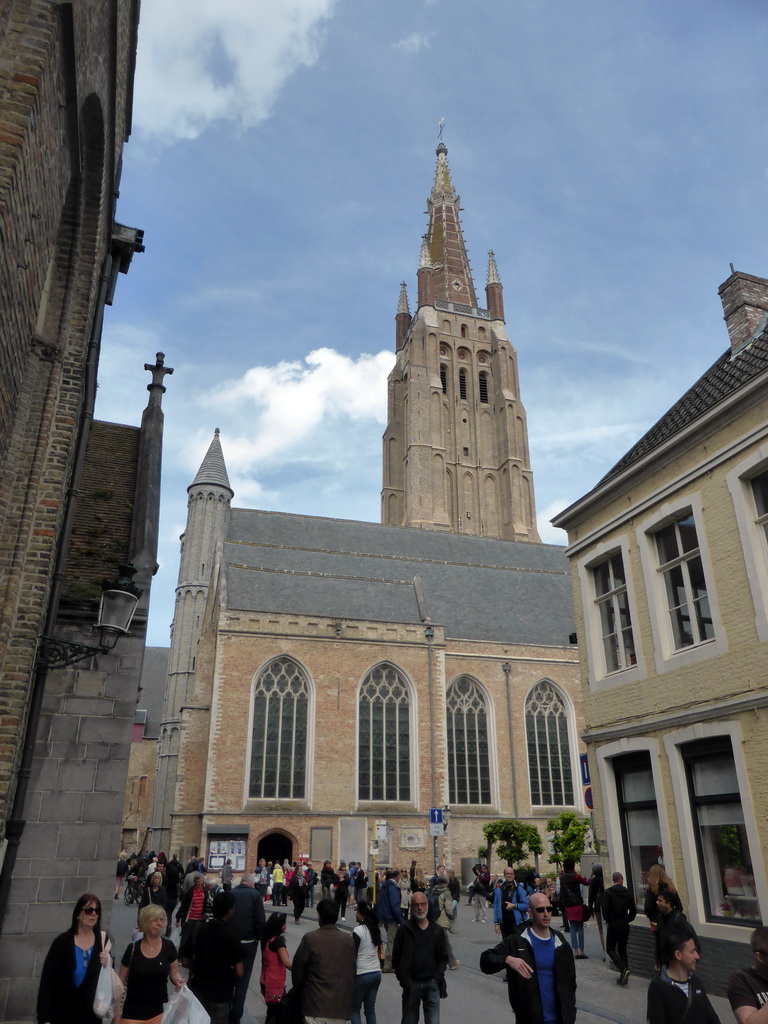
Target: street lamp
[{"x": 118, "y": 603}]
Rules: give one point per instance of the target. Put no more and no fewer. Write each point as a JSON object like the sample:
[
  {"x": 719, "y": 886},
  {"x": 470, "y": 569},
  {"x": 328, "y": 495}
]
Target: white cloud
[
  {"x": 551, "y": 534},
  {"x": 296, "y": 412},
  {"x": 200, "y": 62},
  {"x": 414, "y": 43}
]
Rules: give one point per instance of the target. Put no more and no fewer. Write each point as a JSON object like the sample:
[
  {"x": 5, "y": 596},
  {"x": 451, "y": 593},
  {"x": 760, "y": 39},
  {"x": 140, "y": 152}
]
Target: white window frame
[
  {"x": 599, "y": 677},
  {"x": 753, "y": 539},
  {"x": 667, "y": 655},
  {"x": 673, "y": 741}
]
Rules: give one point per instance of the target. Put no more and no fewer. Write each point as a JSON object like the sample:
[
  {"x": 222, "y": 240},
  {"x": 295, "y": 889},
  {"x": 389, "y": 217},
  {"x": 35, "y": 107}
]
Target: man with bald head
[{"x": 541, "y": 972}]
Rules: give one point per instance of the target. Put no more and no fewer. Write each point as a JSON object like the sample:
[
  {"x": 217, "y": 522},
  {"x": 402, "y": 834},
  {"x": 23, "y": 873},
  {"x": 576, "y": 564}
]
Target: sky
[{"x": 613, "y": 155}]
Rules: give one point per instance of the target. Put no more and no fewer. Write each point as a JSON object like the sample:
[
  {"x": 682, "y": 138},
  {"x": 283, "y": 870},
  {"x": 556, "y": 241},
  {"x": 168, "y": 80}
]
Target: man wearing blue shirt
[
  {"x": 510, "y": 904},
  {"x": 541, "y": 972}
]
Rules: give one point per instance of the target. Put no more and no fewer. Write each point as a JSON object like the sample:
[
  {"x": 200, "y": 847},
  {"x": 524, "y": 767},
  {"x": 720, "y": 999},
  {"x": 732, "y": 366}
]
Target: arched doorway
[{"x": 275, "y": 846}]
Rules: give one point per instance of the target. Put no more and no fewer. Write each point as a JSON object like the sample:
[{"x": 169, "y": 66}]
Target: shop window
[
  {"x": 725, "y": 862},
  {"x": 639, "y": 815}
]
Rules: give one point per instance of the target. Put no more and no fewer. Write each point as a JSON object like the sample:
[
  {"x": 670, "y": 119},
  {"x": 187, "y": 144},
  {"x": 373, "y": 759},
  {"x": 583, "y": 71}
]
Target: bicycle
[{"x": 132, "y": 891}]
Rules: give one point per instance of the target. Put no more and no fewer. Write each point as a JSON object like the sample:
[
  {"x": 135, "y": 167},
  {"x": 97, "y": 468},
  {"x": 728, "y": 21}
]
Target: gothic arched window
[
  {"x": 549, "y": 749},
  {"x": 384, "y": 734},
  {"x": 469, "y": 773},
  {"x": 279, "y": 743}
]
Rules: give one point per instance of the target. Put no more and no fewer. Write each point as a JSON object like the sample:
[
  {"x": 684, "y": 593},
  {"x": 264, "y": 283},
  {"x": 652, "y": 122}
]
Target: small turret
[
  {"x": 403, "y": 318},
  {"x": 493, "y": 290},
  {"x": 426, "y": 275}
]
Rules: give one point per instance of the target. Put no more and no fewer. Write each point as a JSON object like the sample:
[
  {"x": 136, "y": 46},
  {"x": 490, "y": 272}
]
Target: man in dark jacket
[
  {"x": 748, "y": 989},
  {"x": 247, "y": 922},
  {"x": 389, "y": 914},
  {"x": 619, "y": 909},
  {"x": 541, "y": 972},
  {"x": 419, "y": 958},
  {"x": 324, "y": 965},
  {"x": 675, "y": 993}
]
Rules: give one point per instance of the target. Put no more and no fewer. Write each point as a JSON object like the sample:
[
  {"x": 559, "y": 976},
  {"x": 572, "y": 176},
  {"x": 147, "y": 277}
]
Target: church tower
[
  {"x": 456, "y": 445},
  {"x": 208, "y": 507}
]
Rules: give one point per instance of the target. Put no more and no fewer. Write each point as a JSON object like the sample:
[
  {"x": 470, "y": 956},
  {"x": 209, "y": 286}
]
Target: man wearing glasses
[
  {"x": 541, "y": 972},
  {"x": 419, "y": 957}
]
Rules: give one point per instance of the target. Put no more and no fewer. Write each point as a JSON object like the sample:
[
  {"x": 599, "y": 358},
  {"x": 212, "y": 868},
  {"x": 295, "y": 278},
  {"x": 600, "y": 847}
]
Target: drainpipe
[
  {"x": 16, "y": 823},
  {"x": 507, "y": 669},
  {"x": 429, "y": 633}
]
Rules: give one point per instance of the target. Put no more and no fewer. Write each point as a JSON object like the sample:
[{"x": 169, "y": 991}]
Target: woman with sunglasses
[{"x": 71, "y": 968}]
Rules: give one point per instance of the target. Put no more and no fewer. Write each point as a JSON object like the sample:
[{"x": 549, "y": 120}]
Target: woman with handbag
[
  {"x": 573, "y": 906},
  {"x": 154, "y": 892},
  {"x": 145, "y": 969},
  {"x": 275, "y": 962},
  {"x": 367, "y": 936},
  {"x": 72, "y": 966}
]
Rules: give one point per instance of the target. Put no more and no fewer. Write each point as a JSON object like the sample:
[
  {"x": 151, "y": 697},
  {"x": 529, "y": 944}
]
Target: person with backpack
[
  {"x": 510, "y": 904},
  {"x": 618, "y": 907},
  {"x": 389, "y": 914},
  {"x": 441, "y": 911},
  {"x": 482, "y": 888}
]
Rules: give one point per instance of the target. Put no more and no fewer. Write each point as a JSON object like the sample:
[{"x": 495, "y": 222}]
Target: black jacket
[
  {"x": 402, "y": 953},
  {"x": 248, "y": 917},
  {"x": 650, "y": 909},
  {"x": 618, "y": 906},
  {"x": 667, "y": 1004},
  {"x": 58, "y": 1001},
  {"x": 524, "y": 996}
]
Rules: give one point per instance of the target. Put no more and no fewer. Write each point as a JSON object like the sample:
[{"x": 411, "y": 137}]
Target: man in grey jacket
[{"x": 324, "y": 968}]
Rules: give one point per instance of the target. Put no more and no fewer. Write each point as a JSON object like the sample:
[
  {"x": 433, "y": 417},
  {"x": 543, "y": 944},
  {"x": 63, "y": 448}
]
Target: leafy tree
[
  {"x": 516, "y": 840},
  {"x": 568, "y": 836}
]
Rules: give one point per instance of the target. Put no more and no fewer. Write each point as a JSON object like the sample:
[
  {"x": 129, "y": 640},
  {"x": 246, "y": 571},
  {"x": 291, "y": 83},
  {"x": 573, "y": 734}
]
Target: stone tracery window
[
  {"x": 279, "y": 739},
  {"x": 469, "y": 774},
  {"x": 549, "y": 748},
  {"x": 384, "y": 771}
]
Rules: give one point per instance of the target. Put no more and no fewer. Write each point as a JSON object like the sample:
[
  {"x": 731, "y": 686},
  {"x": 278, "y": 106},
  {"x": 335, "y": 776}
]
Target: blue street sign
[
  {"x": 585, "y": 779},
  {"x": 436, "y": 816}
]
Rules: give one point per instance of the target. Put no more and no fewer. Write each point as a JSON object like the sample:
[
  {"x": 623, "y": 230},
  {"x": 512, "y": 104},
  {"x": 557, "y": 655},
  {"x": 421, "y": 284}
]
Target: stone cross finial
[{"x": 158, "y": 370}]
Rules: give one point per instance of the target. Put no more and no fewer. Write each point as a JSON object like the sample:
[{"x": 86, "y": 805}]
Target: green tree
[
  {"x": 516, "y": 840},
  {"x": 568, "y": 834}
]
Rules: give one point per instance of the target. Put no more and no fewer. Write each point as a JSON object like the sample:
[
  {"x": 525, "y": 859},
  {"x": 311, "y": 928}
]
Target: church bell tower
[{"x": 456, "y": 444}]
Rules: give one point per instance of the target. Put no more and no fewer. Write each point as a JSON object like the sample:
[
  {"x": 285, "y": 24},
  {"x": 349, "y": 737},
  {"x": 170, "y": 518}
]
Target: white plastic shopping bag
[
  {"x": 184, "y": 1008},
  {"x": 109, "y": 993}
]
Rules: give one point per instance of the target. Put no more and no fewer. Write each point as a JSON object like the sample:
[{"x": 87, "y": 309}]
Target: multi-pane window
[
  {"x": 549, "y": 749},
  {"x": 613, "y": 608},
  {"x": 279, "y": 742},
  {"x": 482, "y": 381},
  {"x": 685, "y": 587},
  {"x": 760, "y": 493},
  {"x": 469, "y": 773},
  {"x": 384, "y": 767},
  {"x": 639, "y": 814},
  {"x": 725, "y": 862}
]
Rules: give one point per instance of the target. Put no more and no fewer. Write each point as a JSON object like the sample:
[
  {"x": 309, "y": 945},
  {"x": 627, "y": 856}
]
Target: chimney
[{"x": 745, "y": 305}]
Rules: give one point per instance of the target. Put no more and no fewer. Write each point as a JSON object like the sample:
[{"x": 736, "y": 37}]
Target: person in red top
[
  {"x": 191, "y": 916},
  {"x": 275, "y": 962},
  {"x": 573, "y": 905}
]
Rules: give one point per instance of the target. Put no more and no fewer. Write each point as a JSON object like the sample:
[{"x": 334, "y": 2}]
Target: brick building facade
[
  {"x": 326, "y": 675},
  {"x": 66, "y": 75},
  {"x": 670, "y": 571}
]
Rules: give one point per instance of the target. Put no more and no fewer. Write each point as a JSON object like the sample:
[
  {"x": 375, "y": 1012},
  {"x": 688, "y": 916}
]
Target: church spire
[
  {"x": 213, "y": 469},
  {"x": 447, "y": 252},
  {"x": 403, "y": 318},
  {"x": 493, "y": 290}
]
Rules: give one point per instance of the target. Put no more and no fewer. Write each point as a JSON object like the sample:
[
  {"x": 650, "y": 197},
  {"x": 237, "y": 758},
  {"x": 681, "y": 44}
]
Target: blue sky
[{"x": 612, "y": 154}]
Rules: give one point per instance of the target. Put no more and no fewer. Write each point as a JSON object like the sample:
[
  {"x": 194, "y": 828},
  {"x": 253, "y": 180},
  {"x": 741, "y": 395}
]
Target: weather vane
[{"x": 440, "y": 125}]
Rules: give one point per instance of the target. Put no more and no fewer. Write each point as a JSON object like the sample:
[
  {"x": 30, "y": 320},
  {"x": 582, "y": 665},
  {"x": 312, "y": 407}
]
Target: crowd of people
[{"x": 403, "y": 925}]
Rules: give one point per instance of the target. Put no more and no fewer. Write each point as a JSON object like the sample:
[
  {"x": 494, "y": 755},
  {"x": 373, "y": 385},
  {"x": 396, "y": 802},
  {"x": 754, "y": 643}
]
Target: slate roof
[
  {"x": 732, "y": 371},
  {"x": 476, "y": 588},
  {"x": 152, "y": 693}
]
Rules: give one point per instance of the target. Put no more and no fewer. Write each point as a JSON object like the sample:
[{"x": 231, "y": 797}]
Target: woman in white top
[{"x": 368, "y": 977}]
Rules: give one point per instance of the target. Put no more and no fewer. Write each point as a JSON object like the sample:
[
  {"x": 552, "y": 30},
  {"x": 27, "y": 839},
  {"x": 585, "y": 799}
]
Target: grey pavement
[{"x": 470, "y": 992}]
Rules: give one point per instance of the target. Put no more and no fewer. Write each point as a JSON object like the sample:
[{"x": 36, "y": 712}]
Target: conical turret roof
[
  {"x": 447, "y": 252},
  {"x": 213, "y": 469}
]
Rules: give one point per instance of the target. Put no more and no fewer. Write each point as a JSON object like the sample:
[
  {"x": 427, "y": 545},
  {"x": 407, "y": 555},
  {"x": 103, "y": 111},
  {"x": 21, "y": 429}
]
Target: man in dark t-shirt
[
  {"x": 419, "y": 959},
  {"x": 218, "y": 961},
  {"x": 748, "y": 989}
]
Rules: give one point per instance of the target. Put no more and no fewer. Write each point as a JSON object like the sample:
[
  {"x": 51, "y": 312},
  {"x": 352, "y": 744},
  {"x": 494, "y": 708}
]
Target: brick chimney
[{"x": 745, "y": 305}]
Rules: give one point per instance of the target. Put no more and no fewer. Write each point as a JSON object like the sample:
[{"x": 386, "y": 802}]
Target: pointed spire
[
  {"x": 443, "y": 187},
  {"x": 445, "y": 250},
  {"x": 493, "y": 273},
  {"x": 402, "y": 306},
  {"x": 213, "y": 469}
]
